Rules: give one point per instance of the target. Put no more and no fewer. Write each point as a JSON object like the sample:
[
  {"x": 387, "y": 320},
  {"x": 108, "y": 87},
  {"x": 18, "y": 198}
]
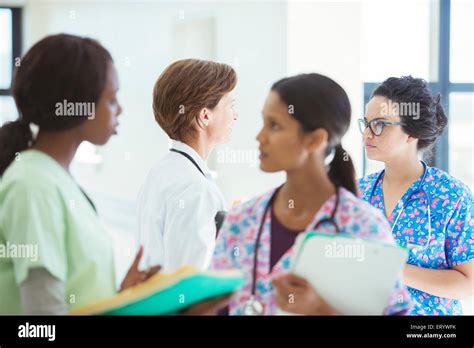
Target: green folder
[{"x": 167, "y": 293}]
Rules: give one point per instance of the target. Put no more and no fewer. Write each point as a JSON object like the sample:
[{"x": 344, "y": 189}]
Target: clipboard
[
  {"x": 355, "y": 276},
  {"x": 167, "y": 293}
]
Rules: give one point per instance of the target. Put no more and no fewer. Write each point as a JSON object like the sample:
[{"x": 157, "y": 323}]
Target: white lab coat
[{"x": 176, "y": 209}]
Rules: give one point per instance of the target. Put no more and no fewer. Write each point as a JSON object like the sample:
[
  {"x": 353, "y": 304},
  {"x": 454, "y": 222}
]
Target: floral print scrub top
[
  {"x": 452, "y": 237},
  {"x": 235, "y": 246}
]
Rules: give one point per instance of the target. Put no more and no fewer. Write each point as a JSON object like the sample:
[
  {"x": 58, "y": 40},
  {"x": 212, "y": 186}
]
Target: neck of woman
[
  {"x": 61, "y": 146},
  {"x": 403, "y": 170},
  {"x": 308, "y": 187},
  {"x": 200, "y": 144}
]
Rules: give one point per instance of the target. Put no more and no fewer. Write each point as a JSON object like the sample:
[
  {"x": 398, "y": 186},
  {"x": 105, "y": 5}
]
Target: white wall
[
  {"x": 264, "y": 41},
  {"x": 140, "y": 36},
  {"x": 325, "y": 37}
]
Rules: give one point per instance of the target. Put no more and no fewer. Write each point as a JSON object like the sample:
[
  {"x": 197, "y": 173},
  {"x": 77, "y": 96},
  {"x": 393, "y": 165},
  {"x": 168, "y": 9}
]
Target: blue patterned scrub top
[{"x": 452, "y": 236}]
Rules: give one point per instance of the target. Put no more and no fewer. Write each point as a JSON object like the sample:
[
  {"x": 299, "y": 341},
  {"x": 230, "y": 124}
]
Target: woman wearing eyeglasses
[{"x": 429, "y": 211}]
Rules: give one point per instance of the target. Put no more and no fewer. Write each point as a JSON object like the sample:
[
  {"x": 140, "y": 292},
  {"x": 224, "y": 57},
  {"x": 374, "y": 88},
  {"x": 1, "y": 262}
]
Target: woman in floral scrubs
[
  {"x": 305, "y": 117},
  {"x": 440, "y": 268}
]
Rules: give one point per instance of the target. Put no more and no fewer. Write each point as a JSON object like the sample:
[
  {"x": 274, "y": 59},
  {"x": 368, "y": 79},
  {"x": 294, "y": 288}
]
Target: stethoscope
[
  {"x": 412, "y": 246},
  {"x": 219, "y": 218},
  {"x": 252, "y": 306},
  {"x": 182, "y": 153}
]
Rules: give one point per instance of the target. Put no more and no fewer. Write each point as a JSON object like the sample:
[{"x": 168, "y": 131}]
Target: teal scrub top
[{"x": 47, "y": 221}]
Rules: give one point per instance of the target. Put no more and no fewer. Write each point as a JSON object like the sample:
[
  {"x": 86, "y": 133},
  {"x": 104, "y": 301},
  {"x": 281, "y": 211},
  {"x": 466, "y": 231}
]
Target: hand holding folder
[
  {"x": 355, "y": 276},
  {"x": 167, "y": 293}
]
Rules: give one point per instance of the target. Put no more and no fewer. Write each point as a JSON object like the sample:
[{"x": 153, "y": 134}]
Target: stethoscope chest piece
[{"x": 252, "y": 307}]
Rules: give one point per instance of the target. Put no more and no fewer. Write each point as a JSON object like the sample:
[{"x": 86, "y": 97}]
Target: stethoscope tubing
[
  {"x": 330, "y": 220},
  {"x": 405, "y": 204}
]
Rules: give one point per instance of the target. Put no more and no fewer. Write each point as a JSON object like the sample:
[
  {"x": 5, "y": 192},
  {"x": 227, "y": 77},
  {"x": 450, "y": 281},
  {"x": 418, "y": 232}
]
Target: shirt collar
[{"x": 180, "y": 146}]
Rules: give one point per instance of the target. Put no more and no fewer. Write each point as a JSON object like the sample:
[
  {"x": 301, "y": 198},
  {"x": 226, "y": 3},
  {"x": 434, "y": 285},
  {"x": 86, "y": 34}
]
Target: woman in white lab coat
[{"x": 179, "y": 201}]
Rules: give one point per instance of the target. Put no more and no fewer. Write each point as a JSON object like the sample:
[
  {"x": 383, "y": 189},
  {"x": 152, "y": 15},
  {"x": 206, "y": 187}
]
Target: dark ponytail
[
  {"x": 56, "y": 68},
  {"x": 319, "y": 102},
  {"x": 342, "y": 171},
  {"x": 15, "y": 137}
]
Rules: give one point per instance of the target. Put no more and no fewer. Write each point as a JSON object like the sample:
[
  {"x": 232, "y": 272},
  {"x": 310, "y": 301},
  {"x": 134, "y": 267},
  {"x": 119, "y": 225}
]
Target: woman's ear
[
  {"x": 316, "y": 140},
  {"x": 203, "y": 117},
  {"x": 411, "y": 139}
]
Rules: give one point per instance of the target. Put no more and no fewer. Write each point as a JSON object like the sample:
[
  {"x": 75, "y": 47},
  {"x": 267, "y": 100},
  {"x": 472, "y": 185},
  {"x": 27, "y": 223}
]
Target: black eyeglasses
[{"x": 375, "y": 126}]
